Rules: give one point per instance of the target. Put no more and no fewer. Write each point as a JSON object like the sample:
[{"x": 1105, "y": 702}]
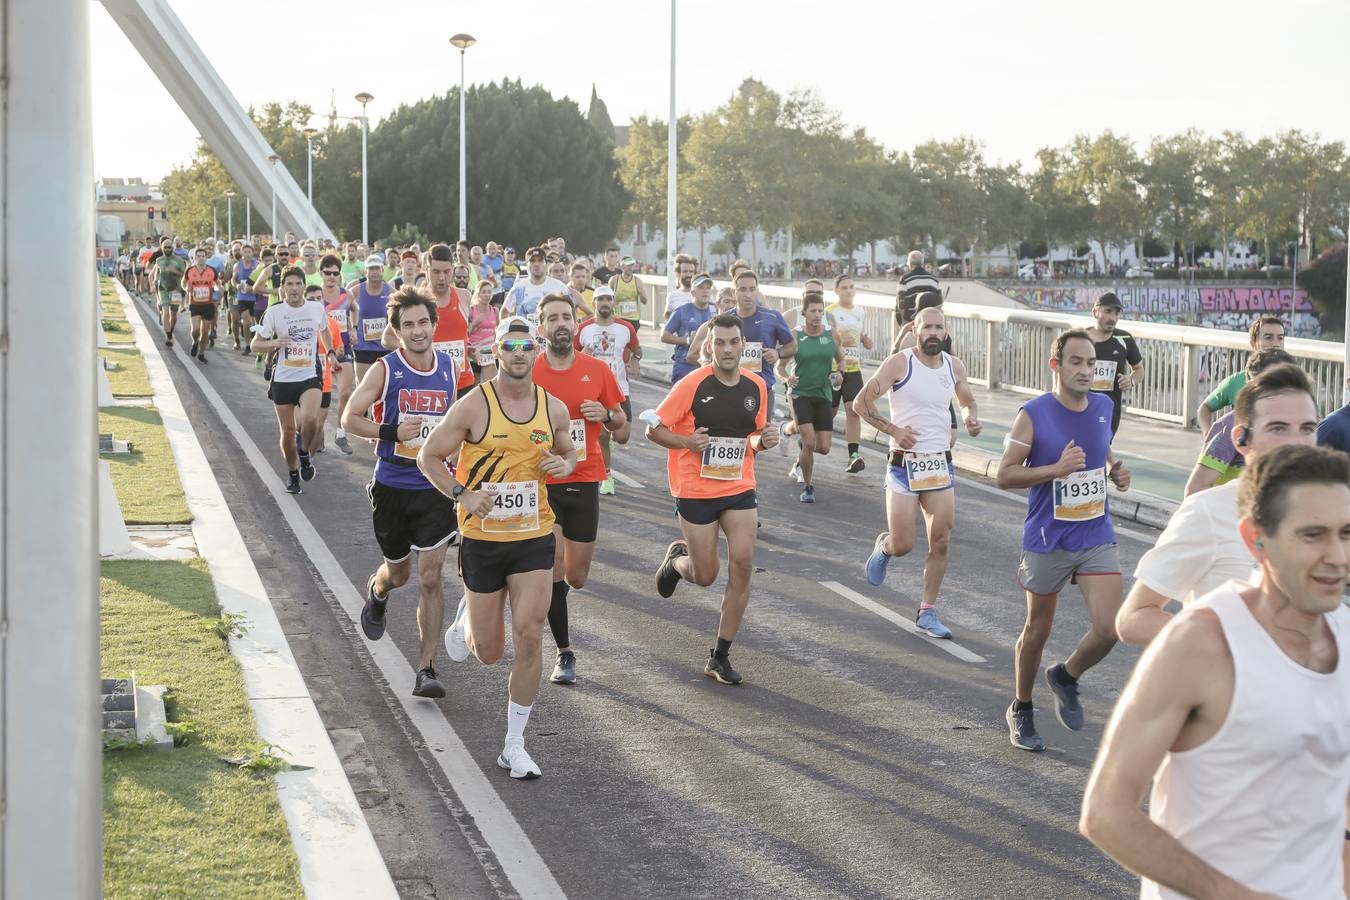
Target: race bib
[
  {"x": 176, "y": 297},
  {"x": 408, "y": 449},
  {"x": 752, "y": 356},
  {"x": 201, "y": 294},
  {"x": 853, "y": 355},
  {"x": 628, "y": 309},
  {"x": 515, "y": 507},
  {"x": 928, "y": 471},
  {"x": 1104, "y": 375},
  {"x": 298, "y": 356},
  {"x": 373, "y": 329},
  {"x": 724, "y": 459},
  {"x": 1081, "y": 496},
  {"x": 577, "y": 429},
  {"x": 338, "y": 317},
  {"x": 454, "y": 348},
  {"x": 484, "y": 356}
]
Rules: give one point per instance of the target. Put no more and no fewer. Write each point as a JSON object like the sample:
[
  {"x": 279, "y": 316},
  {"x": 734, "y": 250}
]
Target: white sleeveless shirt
[
  {"x": 922, "y": 401},
  {"x": 1263, "y": 800}
]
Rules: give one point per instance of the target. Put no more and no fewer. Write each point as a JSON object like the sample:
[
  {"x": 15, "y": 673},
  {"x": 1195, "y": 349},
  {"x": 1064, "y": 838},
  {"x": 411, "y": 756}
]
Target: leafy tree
[
  {"x": 1177, "y": 193},
  {"x": 406, "y": 234},
  {"x": 1324, "y": 279},
  {"x": 1106, "y": 171}
]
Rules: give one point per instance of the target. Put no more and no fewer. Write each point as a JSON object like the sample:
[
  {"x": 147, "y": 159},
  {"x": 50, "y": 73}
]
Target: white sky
[{"x": 1016, "y": 76}]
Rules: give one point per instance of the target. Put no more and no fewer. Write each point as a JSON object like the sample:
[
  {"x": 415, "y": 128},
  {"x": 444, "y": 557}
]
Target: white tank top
[
  {"x": 1263, "y": 800},
  {"x": 922, "y": 400}
]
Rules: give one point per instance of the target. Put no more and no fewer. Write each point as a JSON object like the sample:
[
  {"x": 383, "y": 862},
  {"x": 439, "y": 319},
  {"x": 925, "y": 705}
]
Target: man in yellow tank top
[{"x": 510, "y": 437}]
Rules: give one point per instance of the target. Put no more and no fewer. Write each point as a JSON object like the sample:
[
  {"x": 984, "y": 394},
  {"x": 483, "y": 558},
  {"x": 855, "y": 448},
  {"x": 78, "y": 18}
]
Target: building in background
[{"x": 137, "y": 204}]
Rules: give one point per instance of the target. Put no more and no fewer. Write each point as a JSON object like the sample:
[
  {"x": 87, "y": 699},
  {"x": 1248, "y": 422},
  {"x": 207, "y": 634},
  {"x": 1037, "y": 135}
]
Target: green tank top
[{"x": 811, "y": 365}]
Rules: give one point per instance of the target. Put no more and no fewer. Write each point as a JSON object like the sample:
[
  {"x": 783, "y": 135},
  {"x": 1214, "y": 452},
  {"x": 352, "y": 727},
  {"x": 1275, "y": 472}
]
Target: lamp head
[
  {"x": 463, "y": 42},
  {"x": 310, "y": 132},
  {"x": 363, "y": 98}
]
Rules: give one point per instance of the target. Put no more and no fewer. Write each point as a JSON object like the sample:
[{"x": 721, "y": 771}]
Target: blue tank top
[
  {"x": 410, "y": 392},
  {"x": 373, "y": 315},
  {"x": 247, "y": 279},
  {"x": 1072, "y": 513}
]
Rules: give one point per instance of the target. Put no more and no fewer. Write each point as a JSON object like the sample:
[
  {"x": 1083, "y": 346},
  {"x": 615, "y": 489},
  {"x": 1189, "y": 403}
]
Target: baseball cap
[
  {"x": 514, "y": 324},
  {"x": 509, "y": 250},
  {"x": 628, "y": 261},
  {"x": 701, "y": 279},
  {"x": 1110, "y": 301},
  {"x": 375, "y": 261},
  {"x": 603, "y": 290},
  {"x": 409, "y": 254},
  {"x": 535, "y": 251}
]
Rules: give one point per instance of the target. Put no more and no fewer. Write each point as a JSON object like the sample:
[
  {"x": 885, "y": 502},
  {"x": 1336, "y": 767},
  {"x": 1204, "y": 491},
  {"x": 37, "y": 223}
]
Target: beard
[{"x": 932, "y": 346}]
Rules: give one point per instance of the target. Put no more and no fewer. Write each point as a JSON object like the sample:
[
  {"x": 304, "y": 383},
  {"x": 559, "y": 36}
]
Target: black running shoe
[
  {"x": 721, "y": 669},
  {"x": 372, "y": 619},
  {"x": 1022, "y": 729},
  {"x": 201, "y": 357},
  {"x": 855, "y": 464},
  {"x": 193, "y": 351},
  {"x": 1068, "y": 708},
  {"x": 667, "y": 576},
  {"x": 307, "y": 468},
  {"x": 427, "y": 685}
]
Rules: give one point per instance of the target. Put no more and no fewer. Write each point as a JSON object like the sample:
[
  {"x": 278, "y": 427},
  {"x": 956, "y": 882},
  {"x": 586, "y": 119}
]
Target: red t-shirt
[
  {"x": 452, "y": 336},
  {"x": 199, "y": 284},
  {"x": 587, "y": 379}
]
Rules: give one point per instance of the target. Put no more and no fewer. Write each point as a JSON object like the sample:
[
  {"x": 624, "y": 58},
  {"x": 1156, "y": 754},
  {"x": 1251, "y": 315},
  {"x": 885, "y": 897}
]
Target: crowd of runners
[{"x": 492, "y": 390}]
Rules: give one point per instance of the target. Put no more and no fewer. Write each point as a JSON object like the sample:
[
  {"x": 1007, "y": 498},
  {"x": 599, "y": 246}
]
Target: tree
[
  {"x": 1055, "y": 213},
  {"x": 1176, "y": 189},
  {"x": 1106, "y": 172},
  {"x": 597, "y": 114},
  {"x": 1324, "y": 279},
  {"x": 642, "y": 165}
]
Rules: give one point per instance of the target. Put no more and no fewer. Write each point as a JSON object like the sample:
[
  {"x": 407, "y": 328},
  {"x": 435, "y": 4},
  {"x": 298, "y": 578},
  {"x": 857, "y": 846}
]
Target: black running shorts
[
  {"x": 853, "y": 382},
  {"x": 407, "y": 520},
  {"x": 576, "y": 508},
  {"x": 485, "y": 565},
  {"x": 705, "y": 510},
  {"x": 288, "y": 393},
  {"x": 813, "y": 411}
]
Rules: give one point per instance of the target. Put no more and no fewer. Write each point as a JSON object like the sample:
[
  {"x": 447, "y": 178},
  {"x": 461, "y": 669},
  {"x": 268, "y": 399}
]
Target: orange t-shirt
[
  {"x": 731, "y": 413},
  {"x": 587, "y": 379},
  {"x": 334, "y": 342},
  {"x": 452, "y": 336},
  {"x": 199, "y": 284}
]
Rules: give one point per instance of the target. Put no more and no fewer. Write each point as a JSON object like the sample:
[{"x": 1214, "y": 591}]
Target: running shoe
[
  {"x": 201, "y": 357},
  {"x": 213, "y": 338},
  {"x": 307, "y": 468},
  {"x": 299, "y": 447},
  {"x": 782, "y": 438},
  {"x": 808, "y": 494},
  {"x": 930, "y": 624},
  {"x": 607, "y": 486},
  {"x": 795, "y": 473},
  {"x": 667, "y": 576},
  {"x": 721, "y": 669},
  {"x": 193, "y": 351},
  {"x": 236, "y": 343},
  {"x": 293, "y": 484},
  {"x": 372, "y": 614},
  {"x": 456, "y": 645},
  {"x": 257, "y": 363},
  {"x": 342, "y": 444},
  {"x": 855, "y": 464},
  {"x": 565, "y": 670},
  {"x": 514, "y": 758},
  {"x": 243, "y": 351},
  {"x": 426, "y": 684},
  {"x": 1068, "y": 708},
  {"x": 168, "y": 342},
  {"x": 1022, "y": 729},
  {"x": 876, "y": 563}
]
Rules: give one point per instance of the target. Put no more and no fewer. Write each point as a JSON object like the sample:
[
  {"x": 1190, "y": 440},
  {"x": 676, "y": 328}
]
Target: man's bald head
[{"x": 929, "y": 314}]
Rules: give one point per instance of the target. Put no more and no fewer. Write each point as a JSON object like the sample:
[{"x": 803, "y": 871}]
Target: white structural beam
[
  {"x": 168, "y": 48},
  {"x": 51, "y": 792}
]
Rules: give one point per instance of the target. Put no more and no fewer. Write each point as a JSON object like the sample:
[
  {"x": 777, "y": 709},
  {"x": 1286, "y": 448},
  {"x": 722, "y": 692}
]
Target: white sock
[
  {"x": 517, "y": 717},
  {"x": 339, "y": 433}
]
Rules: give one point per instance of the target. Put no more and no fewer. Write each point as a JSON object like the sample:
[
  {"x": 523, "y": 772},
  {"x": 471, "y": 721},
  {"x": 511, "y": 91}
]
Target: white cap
[
  {"x": 374, "y": 261},
  {"x": 603, "y": 290},
  {"x": 515, "y": 324}
]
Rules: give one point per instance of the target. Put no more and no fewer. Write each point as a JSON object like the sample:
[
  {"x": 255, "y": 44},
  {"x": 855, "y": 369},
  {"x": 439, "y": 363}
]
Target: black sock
[
  {"x": 295, "y": 473},
  {"x": 557, "y": 615},
  {"x": 852, "y": 447},
  {"x": 1020, "y": 705},
  {"x": 723, "y": 648},
  {"x": 1064, "y": 676}
]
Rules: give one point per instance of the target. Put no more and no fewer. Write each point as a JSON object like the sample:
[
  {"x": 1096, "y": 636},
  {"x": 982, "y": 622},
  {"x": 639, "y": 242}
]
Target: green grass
[
  {"x": 182, "y": 823},
  {"x": 130, "y": 379},
  {"x": 118, "y": 331},
  {"x": 111, "y": 308},
  {"x": 146, "y": 482}
]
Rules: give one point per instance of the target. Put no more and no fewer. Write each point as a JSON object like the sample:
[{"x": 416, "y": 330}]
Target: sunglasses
[
  {"x": 517, "y": 345},
  {"x": 334, "y": 272}
]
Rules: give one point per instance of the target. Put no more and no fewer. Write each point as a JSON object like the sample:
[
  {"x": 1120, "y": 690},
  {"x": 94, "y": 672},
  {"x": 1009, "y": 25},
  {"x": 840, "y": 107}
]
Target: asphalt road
[{"x": 857, "y": 759}]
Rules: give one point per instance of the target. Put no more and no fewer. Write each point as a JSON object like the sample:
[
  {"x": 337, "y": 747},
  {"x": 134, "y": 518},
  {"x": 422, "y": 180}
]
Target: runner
[
  {"x": 482, "y": 333},
  {"x": 509, "y": 437},
  {"x": 1116, "y": 350},
  {"x": 811, "y": 383},
  {"x": 609, "y": 269},
  {"x": 309, "y": 263},
  {"x": 1239, "y": 713},
  {"x": 169, "y": 270},
  {"x": 352, "y": 266},
  {"x": 523, "y": 298},
  {"x": 406, "y": 393},
  {"x": 1264, "y": 333},
  {"x": 267, "y": 263},
  {"x": 846, "y": 321},
  {"x": 1060, "y": 448},
  {"x": 510, "y": 272},
  {"x": 372, "y": 316},
  {"x": 296, "y": 330},
  {"x": 580, "y": 283},
  {"x": 766, "y": 336},
  {"x": 686, "y": 267},
  {"x": 338, "y": 307},
  {"x": 629, "y": 293},
  {"x": 1220, "y": 460},
  {"x": 408, "y": 269},
  {"x": 333, "y": 366},
  {"x": 452, "y": 311},
  {"x": 1201, "y": 548},
  {"x": 596, "y": 407},
  {"x": 712, "y": 422},
  {"x": 614, "y": 342},
  {"x": 920, "y": 383},
  {"x": 684, "y": 324},
  {"x": 199, "y": 283}
]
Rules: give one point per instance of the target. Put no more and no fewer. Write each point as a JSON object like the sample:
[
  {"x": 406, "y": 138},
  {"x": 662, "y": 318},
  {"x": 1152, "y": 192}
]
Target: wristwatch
[
  {"x": 457, "y": 490},
  {"x": 609, "y": 416}
]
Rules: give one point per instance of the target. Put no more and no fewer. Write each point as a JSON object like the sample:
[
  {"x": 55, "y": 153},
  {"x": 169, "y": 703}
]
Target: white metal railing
[{"x": 1008, "y": 348}]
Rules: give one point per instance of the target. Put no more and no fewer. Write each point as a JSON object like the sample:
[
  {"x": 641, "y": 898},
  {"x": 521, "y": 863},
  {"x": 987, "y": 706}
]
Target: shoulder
[{"x": 1196, "y": 634}]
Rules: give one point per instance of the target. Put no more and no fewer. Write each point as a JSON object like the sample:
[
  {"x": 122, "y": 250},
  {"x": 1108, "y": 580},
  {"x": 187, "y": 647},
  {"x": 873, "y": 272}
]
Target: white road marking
[
  {"x": 519, "y": 860},
  {"x": 625, "y": 479},
  {"x": 895, "y": 618}
]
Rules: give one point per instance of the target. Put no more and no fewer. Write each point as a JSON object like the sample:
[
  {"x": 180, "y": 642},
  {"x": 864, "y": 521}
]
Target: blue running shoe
[
  {"x": 1022, "y": 729},
  {"x": 929, "y": 624},
  {"x": 876, "y": 563},
  {"x": 1068, "y": 708},
  {"x": 808, "y": 495}
]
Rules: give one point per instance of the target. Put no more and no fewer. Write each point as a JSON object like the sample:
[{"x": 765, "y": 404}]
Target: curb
[
  {"x": 1136, "y": 506},
  {"x": 333, "y": 843}
]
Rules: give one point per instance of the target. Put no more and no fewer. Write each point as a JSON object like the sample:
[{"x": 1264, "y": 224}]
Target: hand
[
  {"x": 477, "y": 503},
  {"x": 593, "y": 411},
  {"x": 1120, "y": 476},
  {"x": 791, "y": 381},
  {"x": 553, "y": 465},
  {"x": 408, "y": 428},
  {"x": 1125, "y": 381},
  {"x": 337, "y": 366},
  {"x": 973, "y": 426},
  {"x": 866, "y": 342},
  {"x": 283, "y": 341},
  {"x": 698, "y": 440},
  {"x": 1073, "y": 459},
  {"x": 905, "y": 437},
  {"x": 634, "y": 369},
  {"x": 768, "y": 437},
  {"x": 770, "y": 355}
]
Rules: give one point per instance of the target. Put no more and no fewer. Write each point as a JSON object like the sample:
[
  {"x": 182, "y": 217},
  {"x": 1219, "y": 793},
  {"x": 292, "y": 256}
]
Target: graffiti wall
[{"x": 1226, "y": 307}]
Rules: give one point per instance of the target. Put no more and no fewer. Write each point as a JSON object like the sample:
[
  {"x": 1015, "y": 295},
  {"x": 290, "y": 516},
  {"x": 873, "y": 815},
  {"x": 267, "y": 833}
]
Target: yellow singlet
[{"x": 505, "y": 461}]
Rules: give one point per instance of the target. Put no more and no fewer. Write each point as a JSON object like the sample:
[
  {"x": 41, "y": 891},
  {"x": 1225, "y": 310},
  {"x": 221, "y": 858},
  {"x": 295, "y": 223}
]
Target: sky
[{"x": 1015, "y": 76}]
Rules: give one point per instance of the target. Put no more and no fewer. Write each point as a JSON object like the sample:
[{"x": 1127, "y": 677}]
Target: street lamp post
[
  {"x": 229, "y": 214},
  {"x": 363, "y": 98},
  {"x": 215, "y": 220},
  {"x": 309, "y": 134},
  {"x": 274, "y": 159},
  {"x": 462, "y": 42},
  {"x": 672, "y": 277},
  {"x": 248, "y": 217}
]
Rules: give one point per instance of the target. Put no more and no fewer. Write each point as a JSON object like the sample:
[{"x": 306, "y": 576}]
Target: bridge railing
[{"x": 1008, "y": 349}]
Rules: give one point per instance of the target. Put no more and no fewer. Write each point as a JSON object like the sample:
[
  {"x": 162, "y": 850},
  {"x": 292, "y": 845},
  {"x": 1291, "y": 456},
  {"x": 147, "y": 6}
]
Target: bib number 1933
[{"x": 1081, "y": 496}]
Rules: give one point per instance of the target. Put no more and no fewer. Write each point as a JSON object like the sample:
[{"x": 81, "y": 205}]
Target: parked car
[{"x": 1136, "y": 272}]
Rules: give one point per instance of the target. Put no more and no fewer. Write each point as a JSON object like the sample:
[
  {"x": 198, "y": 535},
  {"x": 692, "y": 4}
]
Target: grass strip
[
  {"x": 146, "y": 482},
  {"x": 183, "y": 823},
  {"x": 130, "y": 378}
]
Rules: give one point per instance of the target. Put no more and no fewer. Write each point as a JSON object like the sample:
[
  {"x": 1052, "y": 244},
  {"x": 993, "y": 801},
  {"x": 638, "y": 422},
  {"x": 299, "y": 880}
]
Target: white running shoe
[
  {"x": 456, "y": 642},
  {"x": 514, "y": 758}
]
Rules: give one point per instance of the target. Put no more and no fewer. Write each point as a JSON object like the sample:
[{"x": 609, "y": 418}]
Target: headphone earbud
[
  {"x": 1258, "y": 543},
  {"x": 1242, "y": 438}
]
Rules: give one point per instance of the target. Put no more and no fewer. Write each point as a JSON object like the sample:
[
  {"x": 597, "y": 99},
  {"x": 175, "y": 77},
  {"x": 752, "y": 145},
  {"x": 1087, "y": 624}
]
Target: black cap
[{"x": 1110, "y": 300}]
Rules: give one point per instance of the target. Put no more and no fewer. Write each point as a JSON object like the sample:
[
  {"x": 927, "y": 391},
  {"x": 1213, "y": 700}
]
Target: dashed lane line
[{"x": 946, "y": 645}]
